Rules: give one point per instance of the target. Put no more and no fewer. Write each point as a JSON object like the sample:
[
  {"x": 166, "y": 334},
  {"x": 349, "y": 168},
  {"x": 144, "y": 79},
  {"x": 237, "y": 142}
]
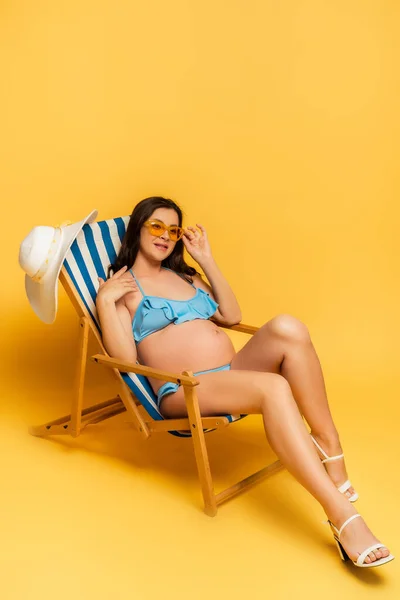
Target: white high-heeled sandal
[
  {"x": 347, "y": 484},
  {"x": 360, "y": 560}
]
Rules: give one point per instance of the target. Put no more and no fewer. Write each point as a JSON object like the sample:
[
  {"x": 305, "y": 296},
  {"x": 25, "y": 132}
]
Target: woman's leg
[
  {"x": 249, "y": 392},
  {"x": 284, "y": 346}
]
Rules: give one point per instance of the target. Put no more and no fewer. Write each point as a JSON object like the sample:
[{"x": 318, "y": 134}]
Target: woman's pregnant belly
[{"x": 194, "y": 346}]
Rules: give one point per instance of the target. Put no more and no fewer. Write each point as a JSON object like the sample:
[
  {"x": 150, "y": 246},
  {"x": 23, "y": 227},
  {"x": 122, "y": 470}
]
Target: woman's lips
[{"x": 161, "y": 247}]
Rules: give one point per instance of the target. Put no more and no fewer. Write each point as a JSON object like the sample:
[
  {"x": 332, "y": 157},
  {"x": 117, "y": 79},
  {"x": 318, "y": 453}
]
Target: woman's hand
[
  {"x": 197, "y": 244},
  {"x": 116, "y": 287}
]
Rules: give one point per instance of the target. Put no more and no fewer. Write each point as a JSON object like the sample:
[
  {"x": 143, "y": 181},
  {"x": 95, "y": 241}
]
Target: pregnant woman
[{"x": 157, "y": 309}]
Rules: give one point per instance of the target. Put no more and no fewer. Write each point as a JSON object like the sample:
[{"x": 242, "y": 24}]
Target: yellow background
[{"x": 276, "y": 125}]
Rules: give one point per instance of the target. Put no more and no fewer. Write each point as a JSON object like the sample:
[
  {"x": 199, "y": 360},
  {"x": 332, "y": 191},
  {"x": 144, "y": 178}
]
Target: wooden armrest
[
  {"x": 126, "y": 367},
  {"x": 250, "y": 329}
]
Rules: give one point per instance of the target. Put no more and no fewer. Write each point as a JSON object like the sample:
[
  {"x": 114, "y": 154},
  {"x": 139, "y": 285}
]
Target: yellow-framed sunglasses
[{"x": 157, "y": 228}]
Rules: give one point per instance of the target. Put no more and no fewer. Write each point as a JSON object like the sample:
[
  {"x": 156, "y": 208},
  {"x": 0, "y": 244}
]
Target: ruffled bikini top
[{"x": 155, "y": 313}]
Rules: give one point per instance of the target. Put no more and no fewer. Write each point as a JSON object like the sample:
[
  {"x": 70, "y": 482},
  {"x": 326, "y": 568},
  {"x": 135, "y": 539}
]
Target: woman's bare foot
[
  {"x": 336, "y": 469},
  {"x": 356, "y": 537}
]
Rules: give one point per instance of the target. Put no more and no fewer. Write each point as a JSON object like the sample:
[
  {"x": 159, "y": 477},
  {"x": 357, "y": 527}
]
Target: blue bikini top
[{"x": 155, "y": 313}]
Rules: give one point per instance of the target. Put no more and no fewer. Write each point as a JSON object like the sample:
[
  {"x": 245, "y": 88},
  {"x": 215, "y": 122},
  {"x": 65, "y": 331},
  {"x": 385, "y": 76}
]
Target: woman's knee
[
  {"x": 288, "y": 327},
  {"x": 274, "y": 387}
]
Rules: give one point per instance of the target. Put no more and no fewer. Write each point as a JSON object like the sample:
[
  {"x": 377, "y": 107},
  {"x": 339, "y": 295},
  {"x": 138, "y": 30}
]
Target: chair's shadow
[
  {"x": 235, "y": 452},
  {"x": 231, "y": 451}
]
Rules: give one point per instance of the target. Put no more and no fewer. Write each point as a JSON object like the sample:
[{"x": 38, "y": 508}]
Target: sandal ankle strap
[
  {"x": 349, "y": 520},
  {"x": 332, "y": 458},
  {"x": 327, "y": 458}
]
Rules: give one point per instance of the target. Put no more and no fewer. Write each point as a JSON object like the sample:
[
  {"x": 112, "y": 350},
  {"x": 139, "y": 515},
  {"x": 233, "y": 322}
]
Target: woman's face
[{"x": 158, "y": 248}]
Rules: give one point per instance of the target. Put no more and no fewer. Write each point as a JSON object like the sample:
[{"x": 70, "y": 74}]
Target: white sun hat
[{"x": 41, "y": 256}]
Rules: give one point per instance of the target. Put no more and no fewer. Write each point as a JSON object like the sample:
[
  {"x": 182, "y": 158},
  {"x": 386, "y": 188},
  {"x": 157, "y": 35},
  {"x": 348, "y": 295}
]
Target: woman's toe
[
  {"x": 367, "y": 559},
  {"x": 380, "y": 553},
  {"x": 372, "y": 556}
]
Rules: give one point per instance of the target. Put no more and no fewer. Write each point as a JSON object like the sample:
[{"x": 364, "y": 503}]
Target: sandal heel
[{"x": 342, "y": 551}]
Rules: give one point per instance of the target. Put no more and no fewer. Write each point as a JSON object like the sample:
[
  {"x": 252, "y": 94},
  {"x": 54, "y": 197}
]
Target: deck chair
[{"x": 93, "y": 250}]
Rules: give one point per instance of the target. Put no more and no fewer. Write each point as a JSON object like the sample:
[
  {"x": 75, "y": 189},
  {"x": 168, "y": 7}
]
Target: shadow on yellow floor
[{"x": 108, "y": 515}]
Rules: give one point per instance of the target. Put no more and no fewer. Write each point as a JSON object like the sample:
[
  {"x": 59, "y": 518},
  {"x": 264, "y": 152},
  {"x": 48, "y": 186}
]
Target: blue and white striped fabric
[{"x": 94, "y": 249}]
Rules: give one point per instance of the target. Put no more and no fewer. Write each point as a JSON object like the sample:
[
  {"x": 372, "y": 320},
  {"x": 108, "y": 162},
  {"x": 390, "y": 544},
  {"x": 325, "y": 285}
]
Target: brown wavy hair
[{"x": 131, "y": 242}]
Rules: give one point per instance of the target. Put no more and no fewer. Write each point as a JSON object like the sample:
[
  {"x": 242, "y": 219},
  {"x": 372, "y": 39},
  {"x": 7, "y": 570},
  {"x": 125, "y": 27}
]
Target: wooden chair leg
[
  {"x": 200, "y": 449},
  {"x": 76, "y": 410},
  {"x": 131, "y": 408},
  {"x": 92, "y": 414}
]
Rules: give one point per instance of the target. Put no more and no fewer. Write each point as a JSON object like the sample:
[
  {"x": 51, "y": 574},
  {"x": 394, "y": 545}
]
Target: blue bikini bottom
[{"x": 171, "y": 388}]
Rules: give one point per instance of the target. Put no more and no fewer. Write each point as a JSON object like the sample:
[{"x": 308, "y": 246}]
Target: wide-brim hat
[{"x": 41, "y": 256}]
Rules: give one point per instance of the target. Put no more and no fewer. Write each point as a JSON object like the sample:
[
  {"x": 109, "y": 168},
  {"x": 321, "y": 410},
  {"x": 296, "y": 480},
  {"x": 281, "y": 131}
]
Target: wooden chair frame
[{"x": 80, "y": 418}]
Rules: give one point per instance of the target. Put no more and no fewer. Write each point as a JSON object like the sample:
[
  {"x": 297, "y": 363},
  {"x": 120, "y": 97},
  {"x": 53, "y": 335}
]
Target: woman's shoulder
[
  {"x": 197, "y": 279},
  {"x": 199, "y": 282}
]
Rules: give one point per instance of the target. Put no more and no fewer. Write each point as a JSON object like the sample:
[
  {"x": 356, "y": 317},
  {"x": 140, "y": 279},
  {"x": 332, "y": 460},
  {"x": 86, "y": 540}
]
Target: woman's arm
[
  {"x": 116, "y": 327},
  {"x": 115, "y": 319},
  {"x": 197, "y": 244},
  {"x": 228, "y": 312}
]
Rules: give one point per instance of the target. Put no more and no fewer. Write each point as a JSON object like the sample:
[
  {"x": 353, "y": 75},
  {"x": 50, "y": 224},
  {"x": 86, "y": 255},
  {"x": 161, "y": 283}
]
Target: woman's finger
[
  {"x": 195, "y": 231},
  {"x": 202, "y": 229},
  {"x": 119, "y": 273},
  {"x": 131, "y": 286}
]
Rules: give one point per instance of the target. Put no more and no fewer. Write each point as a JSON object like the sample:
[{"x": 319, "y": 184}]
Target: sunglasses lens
[
  {"x": 175, "y": 233},
  {"x": 156, "y": 229}
]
